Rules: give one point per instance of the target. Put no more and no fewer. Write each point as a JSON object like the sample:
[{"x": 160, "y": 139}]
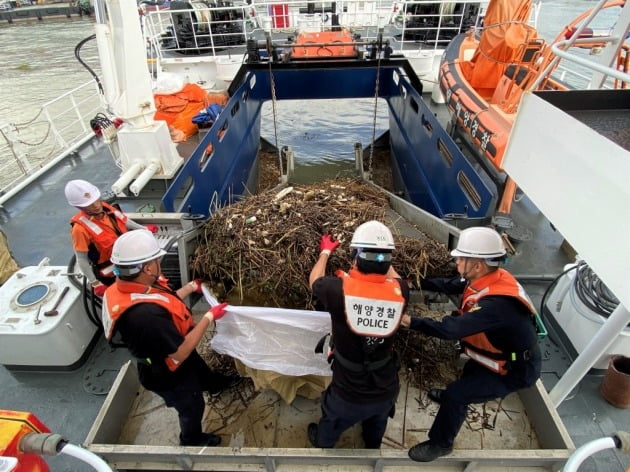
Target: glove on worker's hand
[
  {"x": 99, "y": 290},
  {"x": 153, "y": 228},
  {"x": 196, "y": 285},
  {"x": 327, "y": 244},
  {"x": 216, "y": 312}
]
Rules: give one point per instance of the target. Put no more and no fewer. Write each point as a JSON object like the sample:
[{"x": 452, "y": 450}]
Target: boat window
[
  {"x": 429, "y": 129},
  {"x": 403, "y": 92},
  {"x": 469, "y": 190},
  {"x": 396, "y": 77},
  {"x": 252, "y": 82},
  {"x": 414, "y": 106},
  {"x": 443, "y": 150},
  {"x": 223, "y": 130},
  {"x": 245, "y": 95},
  {"x": 235, "y": 108}
]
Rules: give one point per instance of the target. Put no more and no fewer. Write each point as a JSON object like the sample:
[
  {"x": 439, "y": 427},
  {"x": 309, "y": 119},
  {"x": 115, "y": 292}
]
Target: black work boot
[
  {"x": 230, "y": 381},
  {"x": 428, "y": 451},
  {"x": 312, "y": 434},
  {"x": 204, "y": 439},
  {"x": 435, "y": 394}
]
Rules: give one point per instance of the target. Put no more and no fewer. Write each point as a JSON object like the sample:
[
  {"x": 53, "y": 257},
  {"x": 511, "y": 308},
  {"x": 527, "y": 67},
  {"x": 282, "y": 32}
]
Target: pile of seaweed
[{"x": 265, "y": 245}]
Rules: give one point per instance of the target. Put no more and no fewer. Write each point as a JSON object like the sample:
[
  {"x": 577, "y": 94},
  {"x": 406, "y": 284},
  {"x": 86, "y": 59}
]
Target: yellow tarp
[
  {"x": 8, "y": 266},
  {"x": 308, "y": 386},
  {"x": 504, "y": 33}
]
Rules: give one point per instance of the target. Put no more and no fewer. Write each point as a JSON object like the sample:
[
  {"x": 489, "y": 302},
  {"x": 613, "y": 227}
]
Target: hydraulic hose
[
  {"x": 77, "y": 54},
  {"x": 49, "y": 444},
  {"x": 87, "y": 295},
  {"x": 619, "y": 440},
  {"x": 543, "y": 300}
]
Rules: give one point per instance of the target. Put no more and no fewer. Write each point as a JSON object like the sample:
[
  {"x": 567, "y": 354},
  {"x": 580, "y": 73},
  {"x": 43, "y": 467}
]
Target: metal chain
[
  {"x": 275, "y": 123},
  {"x": 378, "y": 69}
]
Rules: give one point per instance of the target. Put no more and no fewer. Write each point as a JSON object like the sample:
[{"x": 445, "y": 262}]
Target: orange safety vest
[
  {"x": 373, "y": 303},
  {"x": 478, "y": 346},
  {"x": 102, "y": 235},
  {"x": 123, "y": 294}
]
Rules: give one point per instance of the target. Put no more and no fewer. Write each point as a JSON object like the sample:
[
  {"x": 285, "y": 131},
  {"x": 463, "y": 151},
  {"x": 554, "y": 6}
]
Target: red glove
[
  {"x": 196, "y": 284},
  {"x": 327, "y": 244},
  {"x": 153, "y": 228},
  {"x": 99, "y": 290},
  {"x": 216, "y": 312}
]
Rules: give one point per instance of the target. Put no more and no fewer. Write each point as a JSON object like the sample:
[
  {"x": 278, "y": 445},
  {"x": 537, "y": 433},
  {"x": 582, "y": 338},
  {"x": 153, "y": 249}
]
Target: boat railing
[
  {"x": 431, "y": 25},
  {"x": 58, "y": 129},
  {"x": 583, "y": 53},
  {"x": 225, "y": 30}
]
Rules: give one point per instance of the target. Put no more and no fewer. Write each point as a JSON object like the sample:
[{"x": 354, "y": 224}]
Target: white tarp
[{"x": 275, "y": 339}]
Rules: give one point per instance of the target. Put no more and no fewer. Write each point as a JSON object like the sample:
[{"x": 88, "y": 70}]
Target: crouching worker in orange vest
[
  {"x": 366, "y": 306},
  {"x": 158, "y": 328},
  {"x": 496, "y": 326},
  {"x": 94, "y": 229}
]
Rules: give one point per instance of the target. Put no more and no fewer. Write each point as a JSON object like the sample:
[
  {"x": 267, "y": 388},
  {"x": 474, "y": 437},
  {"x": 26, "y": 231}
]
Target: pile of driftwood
[
  {"x": 266, "y": 245},
  {"x": 260, "y": 251}
]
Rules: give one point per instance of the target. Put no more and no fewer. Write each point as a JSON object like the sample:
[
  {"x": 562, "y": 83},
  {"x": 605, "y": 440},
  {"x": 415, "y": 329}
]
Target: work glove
[
  {"x": 327, "y": 244},
  {"x": 99, "y": 290},
  {"x": 216, "y": 312},
  {"x": 153, "y": 228},
  {"x": 196, "y": 285}
]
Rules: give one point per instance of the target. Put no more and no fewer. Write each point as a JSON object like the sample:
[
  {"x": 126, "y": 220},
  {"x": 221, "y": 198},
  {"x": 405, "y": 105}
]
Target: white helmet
[
  {"x": 136, "y": 247},
  {"x": 479, "y": 242},
  {"x": 81, "y": 193},
  {"x": 373, "y": 235}
]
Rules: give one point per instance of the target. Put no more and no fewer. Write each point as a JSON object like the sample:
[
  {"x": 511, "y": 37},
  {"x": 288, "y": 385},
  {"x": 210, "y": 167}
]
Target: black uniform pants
[
  {"x": 477, "y": 384},
  {"x": 339, "y": 415},
  {"x": 188, "y": 400},
  {"x": 187, "y": 396}
]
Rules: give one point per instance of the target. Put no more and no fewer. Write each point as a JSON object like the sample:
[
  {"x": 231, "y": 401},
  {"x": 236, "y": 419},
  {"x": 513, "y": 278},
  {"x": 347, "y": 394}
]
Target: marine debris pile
[
  {"x": 260, "y": 251},
  {"x": 265, "y": 245}
]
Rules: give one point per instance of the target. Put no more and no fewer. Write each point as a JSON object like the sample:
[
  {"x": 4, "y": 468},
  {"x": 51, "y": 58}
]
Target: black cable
[
  {"x": 77, "y": 54},
  {"x": 551, "y": 286},
  {"x": 592, "y": 292},
  {"x": 100, "y": 122}
]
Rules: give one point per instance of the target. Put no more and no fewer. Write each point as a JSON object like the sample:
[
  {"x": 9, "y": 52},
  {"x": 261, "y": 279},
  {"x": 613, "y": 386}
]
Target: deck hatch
[{"x": 31, "y": 295}]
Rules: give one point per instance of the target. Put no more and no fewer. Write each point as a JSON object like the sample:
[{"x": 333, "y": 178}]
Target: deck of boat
[{"x": 68, "y": 402}]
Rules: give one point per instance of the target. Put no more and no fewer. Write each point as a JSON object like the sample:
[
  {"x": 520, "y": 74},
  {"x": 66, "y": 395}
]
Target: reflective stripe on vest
[
  {"x": 373, "y": 303},
  {"x": 477, "y": 346},
  {"x": 122, "y": 295},
  {"x": 103, "y": 237}
]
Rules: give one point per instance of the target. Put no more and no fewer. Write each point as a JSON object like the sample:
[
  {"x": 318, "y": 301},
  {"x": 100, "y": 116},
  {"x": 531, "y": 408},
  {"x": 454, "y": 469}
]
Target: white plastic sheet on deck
[{"x": 276, "y": 339}]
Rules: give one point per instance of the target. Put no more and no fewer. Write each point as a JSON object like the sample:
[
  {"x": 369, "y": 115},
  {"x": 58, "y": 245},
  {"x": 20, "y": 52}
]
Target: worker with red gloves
[
  {"x": 366, "y": 306},
  {"x": 94, "y": 229},
  {"x": 158, "y": 329}
]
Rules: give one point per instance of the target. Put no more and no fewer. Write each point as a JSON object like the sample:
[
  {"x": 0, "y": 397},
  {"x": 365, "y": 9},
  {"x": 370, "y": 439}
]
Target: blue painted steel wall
[{"x": 427, "y": 180}]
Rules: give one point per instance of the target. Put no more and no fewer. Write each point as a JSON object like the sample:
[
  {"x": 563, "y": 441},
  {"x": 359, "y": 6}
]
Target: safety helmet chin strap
[
  {"x": 127, "y": 271},
  {"x": 91, "y": 213}
]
